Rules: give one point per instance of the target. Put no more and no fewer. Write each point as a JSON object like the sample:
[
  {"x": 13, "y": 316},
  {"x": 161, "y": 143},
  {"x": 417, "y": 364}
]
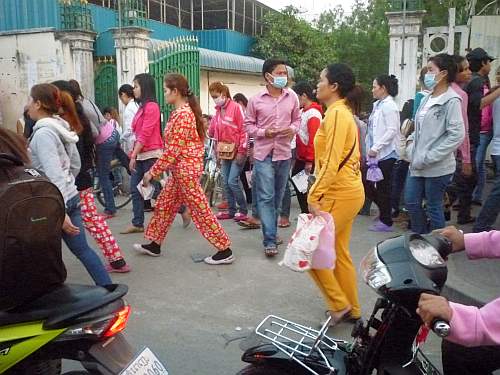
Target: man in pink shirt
[
  {"x": 473, "y": 346},
  {"x": 272, "y": 119}
]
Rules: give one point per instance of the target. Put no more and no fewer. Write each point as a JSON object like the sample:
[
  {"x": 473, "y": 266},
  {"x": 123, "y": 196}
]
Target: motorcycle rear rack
[{"x": 294, "y": 340}]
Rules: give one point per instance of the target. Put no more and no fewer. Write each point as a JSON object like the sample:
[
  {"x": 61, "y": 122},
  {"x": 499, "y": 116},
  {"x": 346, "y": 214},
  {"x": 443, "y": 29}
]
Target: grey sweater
[
  {"x": 436, "y": 137},
  {"x": 53, "y": 151}
]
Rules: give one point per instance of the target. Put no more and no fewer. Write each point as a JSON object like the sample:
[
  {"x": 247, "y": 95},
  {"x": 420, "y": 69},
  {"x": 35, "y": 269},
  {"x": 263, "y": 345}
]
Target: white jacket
[
  {"x": 127, "y": 138},
  {"x": 385, "y": 121}
]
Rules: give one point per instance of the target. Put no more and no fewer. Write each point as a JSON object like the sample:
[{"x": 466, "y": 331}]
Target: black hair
[
  {"x": 304, "y": 87},
  {"x": 147, "y": 85},
  {"x": 476, "y": 65},
  {"x": 127, "y": 90},
  {"x": 270, "y": 64},
  {"x": 445, "y": 62},
  {"x": 239, "y": 97},
  {"x": 66, "y": 86},
  {"x": 343, "y": 76},
  {"x": 390, "y": 82}
]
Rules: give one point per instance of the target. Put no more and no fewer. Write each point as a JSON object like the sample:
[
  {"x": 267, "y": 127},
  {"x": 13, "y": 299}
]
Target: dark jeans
[
  {"x": 431, "y": 189},
  {"x": 105, "y": 153},
  {"x": 480, "y": 360},
  {"x": 462, "y": 187},
  {"x": 141, "y": 167},
  {"x": 399, "y": 175},
  {"x": 479, "y": 158},
  {"x": 80, "y": 248},
  {"x": 301, "y": 197},
  {"x": 235, "y": 197},
  {"x": 491, "y": 206},
  {"x": 380, "y": 192},
  {"x": 244, "y": 182}
]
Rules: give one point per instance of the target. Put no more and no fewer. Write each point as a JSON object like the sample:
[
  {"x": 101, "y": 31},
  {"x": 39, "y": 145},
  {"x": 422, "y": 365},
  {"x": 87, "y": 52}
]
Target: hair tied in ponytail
[{"x": 189, "y": 92}]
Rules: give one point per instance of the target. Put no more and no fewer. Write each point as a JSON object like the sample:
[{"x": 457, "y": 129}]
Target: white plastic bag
[{"x": 299, "y": 252}]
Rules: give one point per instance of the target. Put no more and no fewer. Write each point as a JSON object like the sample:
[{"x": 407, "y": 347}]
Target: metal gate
[
  {"x": 179, "y": 55},
  {"x": 106, "y": 85}
]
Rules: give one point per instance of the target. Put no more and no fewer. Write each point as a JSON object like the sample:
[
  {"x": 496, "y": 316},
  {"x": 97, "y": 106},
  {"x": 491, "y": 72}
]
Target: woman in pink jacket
[
  {"x": 473, "y": 346},
  {"x": 227, "y": 127},
  {"x": 148, "y": 146}
]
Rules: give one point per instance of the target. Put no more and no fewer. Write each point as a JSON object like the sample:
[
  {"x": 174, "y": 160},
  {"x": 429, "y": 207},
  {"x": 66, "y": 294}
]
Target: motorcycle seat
[{"x": 62, "y": 304}]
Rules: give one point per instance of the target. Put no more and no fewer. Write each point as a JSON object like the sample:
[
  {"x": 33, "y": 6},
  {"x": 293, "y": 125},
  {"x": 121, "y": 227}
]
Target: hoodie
[
  {"x": 309, "y": 124},
  {"x": 54, "y": 152},
  {"x": 437, "y": 136}
]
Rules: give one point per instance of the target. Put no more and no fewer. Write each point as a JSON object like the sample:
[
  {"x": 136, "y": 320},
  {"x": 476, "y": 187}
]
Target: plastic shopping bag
[
  {"x": 373, "y": 173},
  {"x": 324, "y": 256},
  {"x": 299, "y": 254}
]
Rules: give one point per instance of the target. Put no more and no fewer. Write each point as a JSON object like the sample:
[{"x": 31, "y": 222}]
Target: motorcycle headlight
[
  {"x": 426, "y": 254},
  {"x": 374, "y": 271}
]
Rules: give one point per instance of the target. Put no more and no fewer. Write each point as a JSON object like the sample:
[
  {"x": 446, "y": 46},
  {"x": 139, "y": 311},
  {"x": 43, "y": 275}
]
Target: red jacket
[{"x": 310, "y": 122}]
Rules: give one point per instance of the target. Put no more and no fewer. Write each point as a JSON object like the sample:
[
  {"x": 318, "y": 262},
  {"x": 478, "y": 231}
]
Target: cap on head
[{"x": 479, "y": 54}]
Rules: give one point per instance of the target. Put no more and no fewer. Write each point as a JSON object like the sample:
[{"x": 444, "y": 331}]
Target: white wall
[
  {"x": 248, "y": 85},
  {"x": 485, "y": 33},
  {"x": 27, "y": 59}
]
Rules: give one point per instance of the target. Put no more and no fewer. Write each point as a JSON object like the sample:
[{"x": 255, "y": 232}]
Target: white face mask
[{"x": 219, "y": 101}]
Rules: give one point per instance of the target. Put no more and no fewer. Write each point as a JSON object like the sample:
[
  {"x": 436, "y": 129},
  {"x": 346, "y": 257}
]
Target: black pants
[
  {"x": 481, "y": 360},
  {"x": 462, "y": 187},
  {"x": 298, "y": 166},
  {"x": 399, "y": 175},
  {"x": 246, "y": 185},
  {"x": 380, "y": 192}
]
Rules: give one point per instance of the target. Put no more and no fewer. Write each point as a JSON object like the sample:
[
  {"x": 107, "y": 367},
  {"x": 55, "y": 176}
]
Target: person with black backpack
[{"x": 54, "y": 152}]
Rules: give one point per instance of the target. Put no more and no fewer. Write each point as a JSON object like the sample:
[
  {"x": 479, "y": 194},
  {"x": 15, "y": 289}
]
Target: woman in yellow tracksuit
[{"x": 338, "y": 188}]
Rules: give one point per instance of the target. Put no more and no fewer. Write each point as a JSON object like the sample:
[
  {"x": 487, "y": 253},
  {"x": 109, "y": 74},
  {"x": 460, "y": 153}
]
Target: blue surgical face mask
[
  {"x": 280, "y": 82},
  {"x": 430, "y": 80}
]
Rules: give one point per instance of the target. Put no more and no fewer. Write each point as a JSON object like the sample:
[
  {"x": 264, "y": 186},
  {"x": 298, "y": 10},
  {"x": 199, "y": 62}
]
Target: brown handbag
[{"x": 226, "y": 151}]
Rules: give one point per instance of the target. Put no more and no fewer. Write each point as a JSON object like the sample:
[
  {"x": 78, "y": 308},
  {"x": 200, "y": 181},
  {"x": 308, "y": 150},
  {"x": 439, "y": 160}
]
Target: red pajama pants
[
  {"x": 185, "y": 188},
  {"x": 98, "y": 228}
]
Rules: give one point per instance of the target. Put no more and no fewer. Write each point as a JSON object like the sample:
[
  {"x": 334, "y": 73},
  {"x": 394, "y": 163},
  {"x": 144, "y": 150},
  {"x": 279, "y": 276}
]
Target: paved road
[{"x": 186, "y": 311}]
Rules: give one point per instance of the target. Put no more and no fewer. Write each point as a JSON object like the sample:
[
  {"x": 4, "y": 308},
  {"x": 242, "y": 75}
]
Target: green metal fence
[
  {"x": 131, "y": 13},
  {"x": 75, "y": 15},
  {"x": 105, "y": 83},
  {"x": 411, "y": 5},
  {"x": 179, "y": 55}
]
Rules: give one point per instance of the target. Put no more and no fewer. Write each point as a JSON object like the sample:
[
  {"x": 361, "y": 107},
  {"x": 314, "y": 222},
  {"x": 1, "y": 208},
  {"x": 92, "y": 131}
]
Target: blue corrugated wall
[{"x": 29, "y": 14}]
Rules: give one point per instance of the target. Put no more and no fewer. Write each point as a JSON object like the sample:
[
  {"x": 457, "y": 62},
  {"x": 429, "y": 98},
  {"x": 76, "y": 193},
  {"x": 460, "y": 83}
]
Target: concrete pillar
[
  {"x": 81, "y": 47},
  {"x": 131, "y": 44},
  {"x": 404, "y": 34}
]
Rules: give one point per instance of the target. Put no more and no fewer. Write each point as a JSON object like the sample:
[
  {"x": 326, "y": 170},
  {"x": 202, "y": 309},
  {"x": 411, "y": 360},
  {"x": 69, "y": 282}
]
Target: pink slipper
[{"x": 223, "y": 216}]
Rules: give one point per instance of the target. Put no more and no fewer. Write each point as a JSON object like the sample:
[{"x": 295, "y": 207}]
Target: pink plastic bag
[
  {"x": 324, "y": 256},
  {"x": 311, "y": 245}
]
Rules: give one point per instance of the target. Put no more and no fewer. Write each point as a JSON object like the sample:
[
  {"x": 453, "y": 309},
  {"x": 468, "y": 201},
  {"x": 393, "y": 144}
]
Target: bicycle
[
  {"x": 120, "y": 180},
  {"x": 211, "y": 178}
]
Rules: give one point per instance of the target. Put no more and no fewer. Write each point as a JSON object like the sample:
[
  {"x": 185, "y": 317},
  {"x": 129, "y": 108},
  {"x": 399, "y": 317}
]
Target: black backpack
[{"x": 31, "y": 217}]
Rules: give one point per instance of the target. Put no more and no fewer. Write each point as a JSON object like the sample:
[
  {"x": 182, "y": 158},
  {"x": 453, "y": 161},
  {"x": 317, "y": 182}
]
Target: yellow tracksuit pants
[{"x": 339, "y": 286}]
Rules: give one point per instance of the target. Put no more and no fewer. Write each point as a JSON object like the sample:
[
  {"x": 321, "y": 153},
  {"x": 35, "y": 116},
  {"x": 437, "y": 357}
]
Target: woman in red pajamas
[{"x": 183, "y": 157}]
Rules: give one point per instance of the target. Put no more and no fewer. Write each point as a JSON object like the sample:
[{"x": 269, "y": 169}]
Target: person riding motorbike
[{"x": 473, "y": 346}]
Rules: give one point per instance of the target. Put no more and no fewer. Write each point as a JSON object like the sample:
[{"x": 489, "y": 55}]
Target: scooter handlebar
[{"x": 441, "y": 328}]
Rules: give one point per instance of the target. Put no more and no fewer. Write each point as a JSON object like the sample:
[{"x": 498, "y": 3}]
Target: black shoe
[
  {"x": 221, "y": 257},
  {"x": 152, "y": 249},
  {"x": 477, "y": 203},
  {"x": 468, "y": 220},
  {"x": 147, "y": 206}
]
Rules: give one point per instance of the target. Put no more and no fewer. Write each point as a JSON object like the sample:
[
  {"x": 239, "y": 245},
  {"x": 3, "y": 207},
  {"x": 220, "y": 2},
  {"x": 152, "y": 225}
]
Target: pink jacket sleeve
[
  {"x": 471, "y": 326},
  {"x": 213, "y": 126},
  {"x": 151, "y": 122},
  {"x": 239, "y": 120}
]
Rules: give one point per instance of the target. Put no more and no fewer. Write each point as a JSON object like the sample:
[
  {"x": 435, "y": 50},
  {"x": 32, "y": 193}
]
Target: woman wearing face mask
[
  {"x": 338, "y": 188},
  {"x": 227, "y": 128},
  {"x": 183, "y": 157},
  {"x": 439, "y": 131}
]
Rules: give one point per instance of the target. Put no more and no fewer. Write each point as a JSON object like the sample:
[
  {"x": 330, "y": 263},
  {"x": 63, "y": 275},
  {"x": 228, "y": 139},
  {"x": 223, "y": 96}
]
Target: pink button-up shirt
[
  {"x": 265, "y": 111},
  {"x": 471, "y": 326}
]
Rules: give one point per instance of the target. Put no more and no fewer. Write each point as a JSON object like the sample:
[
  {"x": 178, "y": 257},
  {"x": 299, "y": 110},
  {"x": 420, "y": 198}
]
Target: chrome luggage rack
[{"x": 295, "y": 339}]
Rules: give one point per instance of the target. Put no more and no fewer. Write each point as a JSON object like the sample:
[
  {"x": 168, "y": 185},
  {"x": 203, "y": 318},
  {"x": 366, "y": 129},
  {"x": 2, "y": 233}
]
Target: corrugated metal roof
[{"x": 229, "y": 61}]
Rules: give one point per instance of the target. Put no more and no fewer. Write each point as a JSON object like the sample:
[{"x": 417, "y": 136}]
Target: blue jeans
[
  {"x": 270, "y": 178},
  {"x": 491, "y": 207},
  {"x": 432, "y": 189},
  {"x": 141, "y": 167},
  {"x": 80, "y": 248},
  {"x": 231, "y": 171},
  {"x": 484, "y": 141},
  {"x": 105, "y": 153}
]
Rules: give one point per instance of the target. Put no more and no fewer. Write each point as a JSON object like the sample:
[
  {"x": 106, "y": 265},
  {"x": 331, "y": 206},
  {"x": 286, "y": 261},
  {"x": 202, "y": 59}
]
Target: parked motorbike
[
  {"x": 399, "y": 269},
  {"x": 77, "y": 322}
]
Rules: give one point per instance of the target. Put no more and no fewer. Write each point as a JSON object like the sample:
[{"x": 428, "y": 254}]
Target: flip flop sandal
[
  {"x": 286, "y": 225},
  {"x": 271, "y": 252},
  {"x": 247, "y": 225}
]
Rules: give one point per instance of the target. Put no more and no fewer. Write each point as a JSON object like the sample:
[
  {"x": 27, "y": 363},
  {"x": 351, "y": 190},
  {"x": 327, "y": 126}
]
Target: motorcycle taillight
[{"x": 119, "y": 323}]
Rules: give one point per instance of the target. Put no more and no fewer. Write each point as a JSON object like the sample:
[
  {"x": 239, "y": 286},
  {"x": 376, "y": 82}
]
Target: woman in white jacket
[{"x": 381, "y": 144}]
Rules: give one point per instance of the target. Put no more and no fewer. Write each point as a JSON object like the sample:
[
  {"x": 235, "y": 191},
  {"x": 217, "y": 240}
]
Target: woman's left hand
[
  {"x": 314, "y": 209},
  {"x": 146, "y": 180}
]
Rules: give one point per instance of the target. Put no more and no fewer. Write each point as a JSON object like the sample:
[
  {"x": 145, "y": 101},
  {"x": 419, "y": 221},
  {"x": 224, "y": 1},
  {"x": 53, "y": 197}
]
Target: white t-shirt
[
  {"x": 430, "y": 102},
  {"x": 128, "y": 137}
]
